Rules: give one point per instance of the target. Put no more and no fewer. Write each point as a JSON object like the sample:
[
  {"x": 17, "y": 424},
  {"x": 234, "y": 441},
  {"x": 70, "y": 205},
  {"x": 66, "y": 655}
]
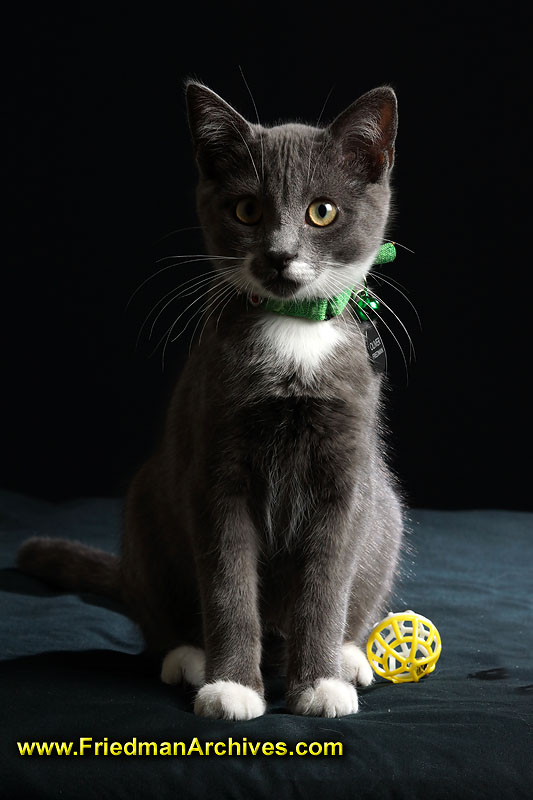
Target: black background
[{"x": 100, "y": 169}]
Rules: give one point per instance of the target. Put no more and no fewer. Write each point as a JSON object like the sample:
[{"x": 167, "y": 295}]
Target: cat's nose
[{"x": 279, "y": 261}]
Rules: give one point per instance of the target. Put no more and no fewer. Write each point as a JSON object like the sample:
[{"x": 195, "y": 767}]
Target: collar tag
[{"x": 375, "y": 347}]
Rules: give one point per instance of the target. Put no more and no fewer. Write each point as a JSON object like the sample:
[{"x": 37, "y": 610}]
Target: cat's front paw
[
  {"x": 185, "y": 663},
  {"x": 355, "y": 666},
  {"x": 328, "y": 697},
  {"x": 228, "y": 700}
]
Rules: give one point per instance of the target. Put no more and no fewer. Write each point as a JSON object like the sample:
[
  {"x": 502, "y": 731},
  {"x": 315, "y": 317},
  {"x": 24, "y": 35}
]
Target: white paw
[
  {"x": 355, "y": 666},
  {"x": 185, "y": 663},
  {"x": 228, "y": 700},
  {"x": 329, "y": 697}
]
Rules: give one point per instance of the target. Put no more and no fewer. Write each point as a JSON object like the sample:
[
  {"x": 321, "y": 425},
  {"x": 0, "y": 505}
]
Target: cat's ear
[
  {"x": 216, "y": 127},
  {"x": 366, "y": 132}
]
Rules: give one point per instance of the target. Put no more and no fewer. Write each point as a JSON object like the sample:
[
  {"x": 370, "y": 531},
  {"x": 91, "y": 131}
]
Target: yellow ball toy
[{"x": 403, "y": 647}]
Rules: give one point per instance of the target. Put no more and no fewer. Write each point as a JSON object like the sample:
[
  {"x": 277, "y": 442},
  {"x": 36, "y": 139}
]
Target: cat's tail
[{"x": 71, "y": 565}]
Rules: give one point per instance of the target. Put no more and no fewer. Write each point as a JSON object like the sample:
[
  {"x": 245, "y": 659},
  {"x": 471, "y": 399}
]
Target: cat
[{"x": 268, "y": 506}]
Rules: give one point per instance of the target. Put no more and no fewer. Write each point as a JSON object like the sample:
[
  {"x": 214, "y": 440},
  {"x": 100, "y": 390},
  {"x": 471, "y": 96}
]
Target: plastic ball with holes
[{"x": 404, "y": 647}]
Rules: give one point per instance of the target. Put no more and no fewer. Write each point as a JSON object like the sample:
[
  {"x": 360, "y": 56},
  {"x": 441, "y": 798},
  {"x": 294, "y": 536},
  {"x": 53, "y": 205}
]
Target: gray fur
[
  {"x": 268, "y": 505},
  {"x": 71, "y": 565}
]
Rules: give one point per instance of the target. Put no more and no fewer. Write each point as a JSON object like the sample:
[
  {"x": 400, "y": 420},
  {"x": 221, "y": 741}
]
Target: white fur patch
[
  {"x": 299, "y": 271},
  {"x": 329, "y": 697},
  {"x": 185, "y": 663},
  {"x": 355, "y": 666},
  {"x": 228, "y": 700},
  {"x": 302, "y": 343}
]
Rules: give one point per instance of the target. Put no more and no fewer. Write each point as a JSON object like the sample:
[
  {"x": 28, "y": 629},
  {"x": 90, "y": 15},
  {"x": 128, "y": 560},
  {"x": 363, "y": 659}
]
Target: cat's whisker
[
  {"x": 394, "y": 242},
  {"x": 395, "y": 315},
  {"x": 293, "y": 295},
  {"x": 182, "y": 291},
  {"x": 219, "y": 285},
  {"x": 355, "y": 318},
  {"x": 212, "y": 273},
  {"x": 180, "y": 230},
  {"x": 168, "y": 333},
  {"x": 222, "y": 310},
  {"x": 191, "y": 284},
  {"x": 198, "y": 279},
  {"x": 172, "y": 300},
  {"x": 383, "y": 278},
  {"x": 399, "y": 346},
  {"x": 380, "y": 318},
  {"x": 221, "y": 297},
  {"x": 338, "y": 287},
  {"x": 374, "y": 294},
  {"x": 247, "y": 288},
  {"x": 249, "y": 151},
  {"x": 207, "y": 297},
  {"x": 258, "y": 122},
  {"x": 212, "y": 295},
  {"x": 318, "y": 160},
  {"x": 388, "y": 277},
  {"x": 315, "y": 133},
  {"x": 170, "y": 266},
  {"x": 196, "y": 255},
  {"x": 334, "y": 290},
  {"x": 172, "y": 291},
  {"x": 195, "y": 289}
]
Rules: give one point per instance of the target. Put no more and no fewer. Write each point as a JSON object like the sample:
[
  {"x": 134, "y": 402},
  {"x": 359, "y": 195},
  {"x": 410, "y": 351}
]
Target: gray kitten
[{"x": 267, "y": 506}]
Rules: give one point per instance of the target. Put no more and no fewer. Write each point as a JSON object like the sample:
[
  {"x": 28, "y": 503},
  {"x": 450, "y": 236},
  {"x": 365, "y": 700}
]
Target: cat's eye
[
  {"x": 321, "y": 213},
  {"x": 248, "y": 210}
]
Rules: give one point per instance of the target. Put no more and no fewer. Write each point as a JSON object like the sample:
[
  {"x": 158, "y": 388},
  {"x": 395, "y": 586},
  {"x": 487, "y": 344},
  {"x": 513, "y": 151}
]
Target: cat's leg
[
  {"x": 372, "y": 584},
  {"x": 369, "y": 590},
  {"x": 184, "y": 664},
  {"x": 317, "y": 685},
  {"x": 355, "y": 666},
  {"x": 227, "y": 573},
  {"x": 157, "y": 571}
]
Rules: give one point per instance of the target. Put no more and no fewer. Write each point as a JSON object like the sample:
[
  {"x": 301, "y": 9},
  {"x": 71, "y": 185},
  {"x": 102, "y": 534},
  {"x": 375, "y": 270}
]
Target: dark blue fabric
[{"x": 73, "y": 666}]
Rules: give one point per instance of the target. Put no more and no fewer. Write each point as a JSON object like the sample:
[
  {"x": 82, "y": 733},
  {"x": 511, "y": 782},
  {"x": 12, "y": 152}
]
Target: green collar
[
  {"x": 310, "y": 309},
  {"x": 327, "y": 308}
]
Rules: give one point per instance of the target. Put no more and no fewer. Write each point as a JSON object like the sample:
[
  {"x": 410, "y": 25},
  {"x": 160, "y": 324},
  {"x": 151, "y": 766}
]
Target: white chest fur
[{"x": 298, "y": 343}]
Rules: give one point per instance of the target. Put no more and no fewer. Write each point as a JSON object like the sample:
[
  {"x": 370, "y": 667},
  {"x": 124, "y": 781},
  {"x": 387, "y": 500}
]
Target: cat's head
[{"x": 299, "y": 211}]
